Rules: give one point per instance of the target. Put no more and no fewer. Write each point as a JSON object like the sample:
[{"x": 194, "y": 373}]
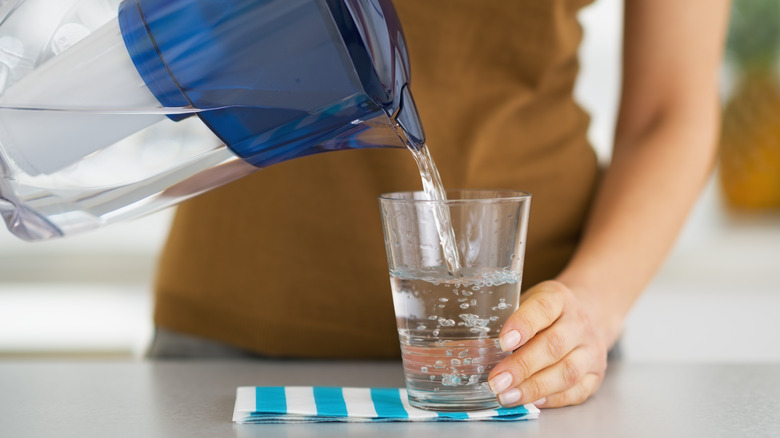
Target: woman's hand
[
  {"x": 559, "y": 356},
  {"x": 664, "y": 150}
]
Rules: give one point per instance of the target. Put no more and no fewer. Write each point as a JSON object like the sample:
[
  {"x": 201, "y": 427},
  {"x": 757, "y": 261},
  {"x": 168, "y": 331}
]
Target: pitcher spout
[{"x": 408, "y": 120}]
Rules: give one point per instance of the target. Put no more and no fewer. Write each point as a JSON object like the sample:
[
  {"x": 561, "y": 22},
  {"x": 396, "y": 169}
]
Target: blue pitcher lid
[{"x": 267, "y": 74}]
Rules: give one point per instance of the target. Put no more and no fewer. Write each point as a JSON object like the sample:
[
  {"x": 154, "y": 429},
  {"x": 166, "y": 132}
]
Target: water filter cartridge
[{"x": 86, "y": 98}]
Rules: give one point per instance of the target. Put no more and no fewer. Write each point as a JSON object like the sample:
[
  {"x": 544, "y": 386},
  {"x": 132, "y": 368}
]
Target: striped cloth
[{"x": 316, "y": 404}]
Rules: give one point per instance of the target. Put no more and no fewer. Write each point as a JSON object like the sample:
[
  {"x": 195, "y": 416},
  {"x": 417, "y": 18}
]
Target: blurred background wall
[{"x": 716, "y": 298}]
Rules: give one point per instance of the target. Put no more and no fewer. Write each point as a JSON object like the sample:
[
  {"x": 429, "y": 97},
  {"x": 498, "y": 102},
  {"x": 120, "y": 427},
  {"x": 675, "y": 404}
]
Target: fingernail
[
  {"x": 509, "y": 340},
  {"x": 501, "y": 382},
  {"x": 509, "y": 397},
  {"x": 539, "y": 403}
]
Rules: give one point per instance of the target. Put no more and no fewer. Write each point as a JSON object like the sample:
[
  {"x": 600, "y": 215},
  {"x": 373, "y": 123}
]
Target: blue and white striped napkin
[{"x": 317, "y": 404}]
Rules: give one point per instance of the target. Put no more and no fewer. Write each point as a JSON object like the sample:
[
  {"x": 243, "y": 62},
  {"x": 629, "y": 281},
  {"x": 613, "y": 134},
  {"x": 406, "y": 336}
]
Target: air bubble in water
[
  {"x": 472, "y": 320},
  {"x": 455, "y": 362},
  {"x": 452, "y": 379},
  {"x": 464, "y": 306},
  {"x": 443, "y": 300},
  {"x": 446, "y": 322},
  {"x": 424, "y": 370}
]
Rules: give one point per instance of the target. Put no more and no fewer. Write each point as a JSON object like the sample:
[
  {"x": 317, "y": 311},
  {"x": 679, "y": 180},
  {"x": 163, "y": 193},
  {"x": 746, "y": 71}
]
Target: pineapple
[{"x": 750, "y": 134}]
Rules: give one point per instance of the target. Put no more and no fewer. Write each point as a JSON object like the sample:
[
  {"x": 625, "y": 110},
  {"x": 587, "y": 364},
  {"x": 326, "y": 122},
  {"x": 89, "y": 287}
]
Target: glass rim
[{"x": 489, "y": 196}]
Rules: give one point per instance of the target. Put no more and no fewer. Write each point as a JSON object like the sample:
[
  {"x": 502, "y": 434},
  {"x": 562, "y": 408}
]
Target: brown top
[{"x": 290, "y": 261}]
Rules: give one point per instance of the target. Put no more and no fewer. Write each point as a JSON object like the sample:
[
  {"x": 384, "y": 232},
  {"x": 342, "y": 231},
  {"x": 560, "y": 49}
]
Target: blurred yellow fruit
[{"x": 750, "y": 137}]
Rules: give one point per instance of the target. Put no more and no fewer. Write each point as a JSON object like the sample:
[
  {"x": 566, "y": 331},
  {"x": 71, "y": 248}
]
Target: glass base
[{"x": 473, "y": 398}]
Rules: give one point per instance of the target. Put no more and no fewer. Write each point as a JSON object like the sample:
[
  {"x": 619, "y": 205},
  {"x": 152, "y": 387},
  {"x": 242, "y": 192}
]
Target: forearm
[
  {"x": 643, "y": 201},
  {"x": 664, "y": 150}
]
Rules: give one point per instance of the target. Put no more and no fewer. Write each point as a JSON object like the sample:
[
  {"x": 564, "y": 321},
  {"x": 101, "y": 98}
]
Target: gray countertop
[{"x": 195, "y": 399}]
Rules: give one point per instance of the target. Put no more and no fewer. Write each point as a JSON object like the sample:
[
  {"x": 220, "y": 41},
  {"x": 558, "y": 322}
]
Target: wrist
[{"x": 605, "y": 313}]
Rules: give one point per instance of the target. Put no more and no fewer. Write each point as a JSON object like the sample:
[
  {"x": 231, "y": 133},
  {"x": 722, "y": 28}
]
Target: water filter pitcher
[{"x": 113, "y": 109}]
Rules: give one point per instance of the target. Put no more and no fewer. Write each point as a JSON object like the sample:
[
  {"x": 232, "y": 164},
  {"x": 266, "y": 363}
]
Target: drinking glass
[{"x": 449, "y": 319}]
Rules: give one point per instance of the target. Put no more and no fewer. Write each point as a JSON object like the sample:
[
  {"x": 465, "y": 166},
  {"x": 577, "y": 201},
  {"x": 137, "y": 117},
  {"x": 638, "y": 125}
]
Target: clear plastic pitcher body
[{"x": 113, "y": 109}]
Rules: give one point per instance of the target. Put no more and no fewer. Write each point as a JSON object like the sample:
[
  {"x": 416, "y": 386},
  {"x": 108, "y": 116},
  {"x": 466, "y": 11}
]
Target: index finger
[{"x": 542, "y": 307}]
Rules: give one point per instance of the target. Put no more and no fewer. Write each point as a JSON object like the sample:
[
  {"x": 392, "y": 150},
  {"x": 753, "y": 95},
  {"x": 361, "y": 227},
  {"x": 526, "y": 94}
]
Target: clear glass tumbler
[{"x": 448, "y": 322}]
